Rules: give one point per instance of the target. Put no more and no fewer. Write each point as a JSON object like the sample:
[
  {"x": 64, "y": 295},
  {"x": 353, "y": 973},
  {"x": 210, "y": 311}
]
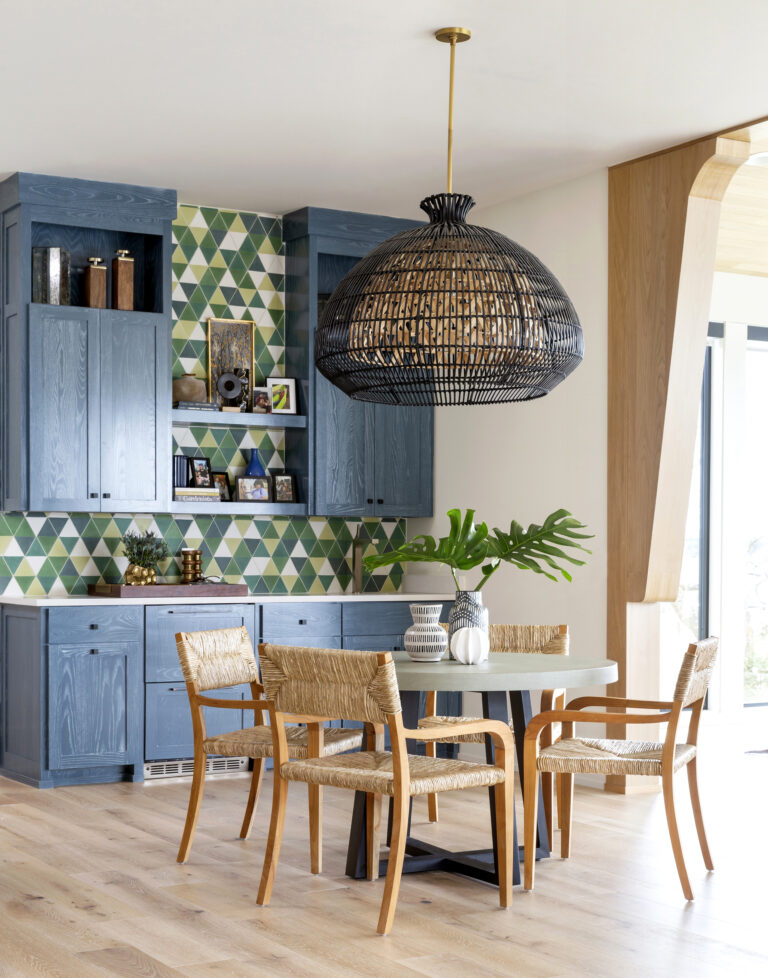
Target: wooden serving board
[{"x": 206, "y": 590}]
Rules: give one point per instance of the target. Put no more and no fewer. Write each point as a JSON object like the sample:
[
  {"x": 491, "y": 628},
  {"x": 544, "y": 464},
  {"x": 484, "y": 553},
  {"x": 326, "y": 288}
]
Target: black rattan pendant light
[{"x": 448, "y": 313}]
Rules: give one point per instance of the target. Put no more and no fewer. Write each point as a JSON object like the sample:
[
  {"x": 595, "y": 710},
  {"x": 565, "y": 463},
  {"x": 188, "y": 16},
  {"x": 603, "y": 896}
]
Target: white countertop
[{"x": 80, "y": 600}]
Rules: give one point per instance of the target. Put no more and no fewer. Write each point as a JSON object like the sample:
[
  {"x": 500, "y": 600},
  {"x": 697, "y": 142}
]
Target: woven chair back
[
  {"x": 529, "y": 638},
  {"x": 696, "y": 671},
  {"x": 218, "y": 658},
  {"x": 330, "y": 682}
]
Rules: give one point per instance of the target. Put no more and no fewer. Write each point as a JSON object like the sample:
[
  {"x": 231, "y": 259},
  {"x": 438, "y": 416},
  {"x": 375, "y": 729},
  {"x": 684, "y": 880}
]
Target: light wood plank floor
[{"x": 89, "y": 886}]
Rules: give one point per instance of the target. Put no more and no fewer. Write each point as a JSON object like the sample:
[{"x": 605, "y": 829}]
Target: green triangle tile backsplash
[{"x": 230, "y": 265}]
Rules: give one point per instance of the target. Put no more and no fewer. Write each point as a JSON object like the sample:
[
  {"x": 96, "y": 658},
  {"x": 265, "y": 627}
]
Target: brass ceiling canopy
[{"x": 448, "y": 313}]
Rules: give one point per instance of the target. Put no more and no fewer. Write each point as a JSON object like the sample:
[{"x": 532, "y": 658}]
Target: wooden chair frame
[
  {"x": 576, "y": 712},
  {"x": 503, "y": 797}
]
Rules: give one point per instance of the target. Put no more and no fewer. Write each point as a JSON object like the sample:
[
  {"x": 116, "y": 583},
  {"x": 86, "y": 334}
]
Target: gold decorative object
[{"x": 140, "y": 575}]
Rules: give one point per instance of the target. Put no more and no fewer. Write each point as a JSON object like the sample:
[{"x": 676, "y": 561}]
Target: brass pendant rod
[{"x": 450, "y": 118}]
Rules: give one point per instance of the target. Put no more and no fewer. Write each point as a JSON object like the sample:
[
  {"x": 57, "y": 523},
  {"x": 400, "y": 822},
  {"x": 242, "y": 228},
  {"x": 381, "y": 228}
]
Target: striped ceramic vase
[
  {"x": 425, "y": 639},
  {"x": 468, "y": 611}
]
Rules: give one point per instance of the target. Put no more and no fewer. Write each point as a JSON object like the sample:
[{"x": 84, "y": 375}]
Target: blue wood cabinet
[
  {"x": 168, "y": 728},
  {"x": 164, "y": 621},
  {"x": 85, "y": 393},
  {"x": 364, "y": 459},
  {"x": 98, "y": 431}
]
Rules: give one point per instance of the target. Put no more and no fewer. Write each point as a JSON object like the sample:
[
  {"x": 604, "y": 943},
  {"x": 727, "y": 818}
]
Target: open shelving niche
[{"x": 207, "y": 419}]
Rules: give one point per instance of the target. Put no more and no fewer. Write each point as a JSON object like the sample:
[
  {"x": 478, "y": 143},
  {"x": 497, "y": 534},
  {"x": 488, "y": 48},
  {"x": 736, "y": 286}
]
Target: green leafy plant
[
  {"x": 144, "y": 549},
  {"x": 468, "y": 546}
]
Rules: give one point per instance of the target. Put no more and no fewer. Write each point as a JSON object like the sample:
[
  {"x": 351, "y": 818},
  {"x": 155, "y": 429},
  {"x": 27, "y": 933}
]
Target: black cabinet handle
[
  {"x": 380, "y": 501},
  {"x": 395, "y": 648},
  {"x": 93, "y": 651},
  {"x": 93, "y": 495},
  {"x": 93, "y": 626},
  {"x": 302, "y": 621},
  {"x": 106, "y": 495},
  {"x": 369, "y": 501},
  {"x": 177, "y": 689}
]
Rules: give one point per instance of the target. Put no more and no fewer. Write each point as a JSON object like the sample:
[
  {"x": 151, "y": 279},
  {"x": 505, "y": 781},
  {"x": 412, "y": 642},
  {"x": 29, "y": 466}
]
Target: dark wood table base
[{"x": 420, "y": 857}]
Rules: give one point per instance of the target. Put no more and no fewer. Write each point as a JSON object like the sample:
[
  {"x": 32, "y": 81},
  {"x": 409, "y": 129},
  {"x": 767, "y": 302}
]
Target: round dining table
[{"x": 504, "y": 680}]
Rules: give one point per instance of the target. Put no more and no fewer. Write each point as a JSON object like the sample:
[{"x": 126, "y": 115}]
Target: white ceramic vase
[
  {"x": 470, "y": 645},
  {"x": 425, "y": 639}
]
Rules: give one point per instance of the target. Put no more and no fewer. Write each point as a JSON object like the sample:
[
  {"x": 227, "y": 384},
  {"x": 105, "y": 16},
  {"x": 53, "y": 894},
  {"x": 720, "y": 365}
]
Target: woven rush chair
[
  {"x": 572, "y": 755},
  {"x": 550, "y": 639},
  {"x": 362, "y": 686},
  {"x": 222, "y": 658}
]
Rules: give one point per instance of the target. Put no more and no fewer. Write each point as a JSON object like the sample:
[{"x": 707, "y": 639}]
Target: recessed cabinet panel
[
  {"x": 169, "y": 719},
  {"x": 343, "y": 453},
  {"x": 89, "y": 705},
  {"x": 402, "y": 452},
  {"x": 162, "y": 624},
  {"x": 64, "y": 409}
]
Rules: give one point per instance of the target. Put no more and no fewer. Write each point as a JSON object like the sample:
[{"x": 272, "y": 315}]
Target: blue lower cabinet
[
  {"x": 94, "y": 705},
  {"x": 374, "y": 643},
  {"x": 169, "y": 719},
  {"x": 164, "y": 621}
]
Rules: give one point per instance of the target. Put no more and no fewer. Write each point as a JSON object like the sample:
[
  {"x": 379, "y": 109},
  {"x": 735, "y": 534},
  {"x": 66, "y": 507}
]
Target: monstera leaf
[{"x": 468, "y": 546}]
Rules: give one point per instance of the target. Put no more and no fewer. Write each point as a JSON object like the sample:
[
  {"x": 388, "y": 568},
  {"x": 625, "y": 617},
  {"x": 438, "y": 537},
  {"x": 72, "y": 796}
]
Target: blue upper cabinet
[
  {"x": 364, "y": 459},
  {"x": 85, "y": 392}
]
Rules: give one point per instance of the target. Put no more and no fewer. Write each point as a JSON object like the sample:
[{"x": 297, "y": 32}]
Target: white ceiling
[{"x": 272, "y": 104}]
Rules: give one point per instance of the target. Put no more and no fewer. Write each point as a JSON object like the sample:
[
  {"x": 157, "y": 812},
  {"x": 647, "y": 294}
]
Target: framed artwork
[
  {"x": 230, "y": 356},
  {"x": 254, "y": 489},
  {"x": 282, "y": 394},
  {"x": 221, "y": 481},
  {"x": 262, "y": 403},
  {"x": 285, "y": 487},
  {"x": 202, "y": 477}
]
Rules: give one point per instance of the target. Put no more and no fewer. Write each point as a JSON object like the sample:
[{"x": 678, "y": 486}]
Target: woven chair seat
[
  {"x": 587, "y": 756},
  {"x": 429, "y": 722},
  {"x": 372, "y": 771},
  {"x": 257, "y": 742}
]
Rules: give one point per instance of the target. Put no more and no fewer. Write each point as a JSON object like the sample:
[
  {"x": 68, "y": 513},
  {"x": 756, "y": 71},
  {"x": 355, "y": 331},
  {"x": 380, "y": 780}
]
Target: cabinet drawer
[
  {"x": 100, "y": 623},
  {"x": 169, "y": 720},
  {"x": 280, "y": 620},
  {"x": 381, "y": 617},
  {"x": 309, "y": 641},
  {"x": 162, "y": 623},
  {"x": 374, "y": 643}
]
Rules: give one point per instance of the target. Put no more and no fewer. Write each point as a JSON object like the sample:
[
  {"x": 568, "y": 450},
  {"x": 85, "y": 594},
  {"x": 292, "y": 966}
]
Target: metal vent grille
[{"x": 183, "y": 768}]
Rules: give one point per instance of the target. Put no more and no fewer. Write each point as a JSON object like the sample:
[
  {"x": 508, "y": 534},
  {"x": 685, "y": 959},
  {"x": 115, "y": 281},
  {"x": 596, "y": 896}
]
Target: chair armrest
[
  {"x": 305, "y": 718},
  {"x": 541, "y": 720},
  {"x": 500, "y": 732},
  {"x": 232, "y": 704},
  {"x": 582, "y": 701}
]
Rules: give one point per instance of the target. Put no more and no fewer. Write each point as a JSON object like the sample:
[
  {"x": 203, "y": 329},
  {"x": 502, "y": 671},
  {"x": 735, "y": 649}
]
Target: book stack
[
  {"x": 196, "y": 405},
  {"x": 196, "y": 494},
  {"x": 180, "y": 471}
]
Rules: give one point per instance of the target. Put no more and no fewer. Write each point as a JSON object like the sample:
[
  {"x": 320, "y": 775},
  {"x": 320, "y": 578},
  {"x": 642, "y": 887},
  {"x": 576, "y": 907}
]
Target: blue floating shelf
[
  {"x": 240, "y": 509},
  {"x": 233, "y": 419}
]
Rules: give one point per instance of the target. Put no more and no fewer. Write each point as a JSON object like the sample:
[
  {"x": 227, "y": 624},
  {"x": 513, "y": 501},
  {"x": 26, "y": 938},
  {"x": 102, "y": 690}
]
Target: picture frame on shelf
[
  {"x": 282, "y": 394},
  {"x": 284, "y": 487},
  {"x": 230, "y": 351},
  {"x": 222, "y": 483},
  {"x": 202, "y": 477},
  {"x": 254, "y": 489},
  {"x": 262, "y": 402}
]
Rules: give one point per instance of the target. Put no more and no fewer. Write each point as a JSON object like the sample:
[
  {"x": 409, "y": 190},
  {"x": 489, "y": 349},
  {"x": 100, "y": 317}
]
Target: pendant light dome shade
[{"x": 448, "y": 313}]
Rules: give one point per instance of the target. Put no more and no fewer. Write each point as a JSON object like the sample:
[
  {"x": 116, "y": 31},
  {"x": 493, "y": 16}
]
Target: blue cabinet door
[
  {"x": 343, "y": 453},
  {"x": 169, "y": 719},
  {"x": 402, "y": 450},
  {"x": 94, "y": 705},
  {"x": 64, "y": 418},
  {"x": 135, "y": 420},
  {"x": 163, "y": 621}
]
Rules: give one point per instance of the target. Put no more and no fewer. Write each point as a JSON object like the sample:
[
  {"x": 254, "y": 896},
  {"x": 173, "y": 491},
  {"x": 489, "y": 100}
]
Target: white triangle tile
[
  {"x": 233, "y": 240},
  {"x": 13, "y": 590},
  {"x": 227, "y": 280},
  {"x": 198, "y": 221},
  {"x": 13, "y": 550},
  {"x": 188, "y": 276},
  {"x": 36, "y": 523},
  {"x": 36, "y": 562},
  {"x": 298, "y": 550}
]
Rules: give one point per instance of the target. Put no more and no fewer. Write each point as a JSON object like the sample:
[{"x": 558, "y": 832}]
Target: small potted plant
[
  {"x": 143, "y": 551},
  {"x": 540, "y": 549}
]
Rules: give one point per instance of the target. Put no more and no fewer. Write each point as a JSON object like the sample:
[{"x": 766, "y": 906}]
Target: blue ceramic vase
[{"x": 254, "y": 464}]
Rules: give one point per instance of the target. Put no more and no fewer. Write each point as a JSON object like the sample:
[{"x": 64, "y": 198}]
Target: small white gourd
[{"x": 470, "y": 645}]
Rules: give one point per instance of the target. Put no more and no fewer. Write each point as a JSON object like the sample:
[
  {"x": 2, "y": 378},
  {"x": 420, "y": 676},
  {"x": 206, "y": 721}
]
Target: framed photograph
[
  {"x": 254, "y": 489},
  {"x": 282, "y": 394},
  {"x": 201, "y": 473},
  {"x": 262, "y": 403},
  {"x": 230, "y": 363},
  {"x": 285, "y": 487},
  {"x": 221, "y": 481}
]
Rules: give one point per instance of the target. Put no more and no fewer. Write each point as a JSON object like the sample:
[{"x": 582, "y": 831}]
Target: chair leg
[
  {"x": 667, "y": 785},
  {"x": 566, "y": 793},
  {"x": 505, "y": 808},
  {"x": 195, "y": 797},
  {"x": 315, "y": 793},
  {"x": 545, "y": 740},
  {"x": 559, "y": 705},
  {"x": 276, "y": 823},
  {"x": 253, "y": 797},
  {"x": 531, "y": 811},
  {"x": 430, "y": 749},
  {"x": 372, "y": 835},
  {"x": 693, "y": 784},
  {"x": 395, "y": 865}
]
